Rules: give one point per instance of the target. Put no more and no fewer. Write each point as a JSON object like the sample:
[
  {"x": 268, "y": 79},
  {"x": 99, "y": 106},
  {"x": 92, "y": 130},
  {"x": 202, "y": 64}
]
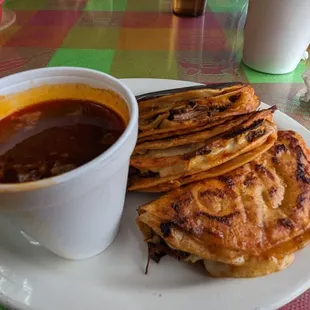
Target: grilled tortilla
[
  {"x": 188, "y": 111},
  {"x": 166, "y": 184},
  {"x": 257, "y": 212},
  {"x": 273, "y": 260},
  {"x": 200, "y": 136},
  {"x": 197, "y": 153}
]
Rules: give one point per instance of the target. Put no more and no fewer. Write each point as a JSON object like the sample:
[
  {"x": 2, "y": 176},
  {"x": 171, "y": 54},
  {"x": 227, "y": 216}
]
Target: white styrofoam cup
[
  {"x": 276, "y": 35},
  {"x": 77, "y": 214}
]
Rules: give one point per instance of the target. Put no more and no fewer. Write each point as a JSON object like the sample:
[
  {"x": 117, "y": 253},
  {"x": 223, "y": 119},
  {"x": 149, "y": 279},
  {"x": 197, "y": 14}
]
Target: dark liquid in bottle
[{"x": 189, "y": 7}]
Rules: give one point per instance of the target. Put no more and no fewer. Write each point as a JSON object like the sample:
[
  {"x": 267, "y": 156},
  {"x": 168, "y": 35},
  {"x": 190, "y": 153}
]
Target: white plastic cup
[
  {"x": 77, "y": 214},
  {"x": 276, "y": 35}
]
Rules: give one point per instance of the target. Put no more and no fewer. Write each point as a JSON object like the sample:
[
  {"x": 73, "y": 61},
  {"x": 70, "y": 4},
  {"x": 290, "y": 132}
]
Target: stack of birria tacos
[
  {"x": 194, "y": 134},
  {"x": 238, "y": 189}
]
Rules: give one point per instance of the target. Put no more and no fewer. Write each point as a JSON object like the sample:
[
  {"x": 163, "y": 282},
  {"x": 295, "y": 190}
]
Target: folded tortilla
[
  {"x": 170, "y": 115},
  {"x": 257, "y": 214},
  {"x": 184, "y": 159}
]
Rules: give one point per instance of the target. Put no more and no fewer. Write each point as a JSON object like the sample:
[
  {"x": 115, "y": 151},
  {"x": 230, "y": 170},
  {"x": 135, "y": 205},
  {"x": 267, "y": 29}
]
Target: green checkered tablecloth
[
  {"x": 138, "y": 38},
  {"x": 141, "y": 38}
]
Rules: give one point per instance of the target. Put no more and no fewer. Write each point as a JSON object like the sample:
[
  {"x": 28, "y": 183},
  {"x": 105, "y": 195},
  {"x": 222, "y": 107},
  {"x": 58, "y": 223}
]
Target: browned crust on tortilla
[{"x": 264, "y": 217}]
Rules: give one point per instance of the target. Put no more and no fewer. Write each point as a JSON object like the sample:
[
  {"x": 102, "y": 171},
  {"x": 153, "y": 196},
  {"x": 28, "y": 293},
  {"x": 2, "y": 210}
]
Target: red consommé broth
[{"x": 52, "y": 137}]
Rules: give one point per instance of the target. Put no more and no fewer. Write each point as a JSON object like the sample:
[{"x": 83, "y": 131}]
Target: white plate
[{"x": 33, "y": 278}]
